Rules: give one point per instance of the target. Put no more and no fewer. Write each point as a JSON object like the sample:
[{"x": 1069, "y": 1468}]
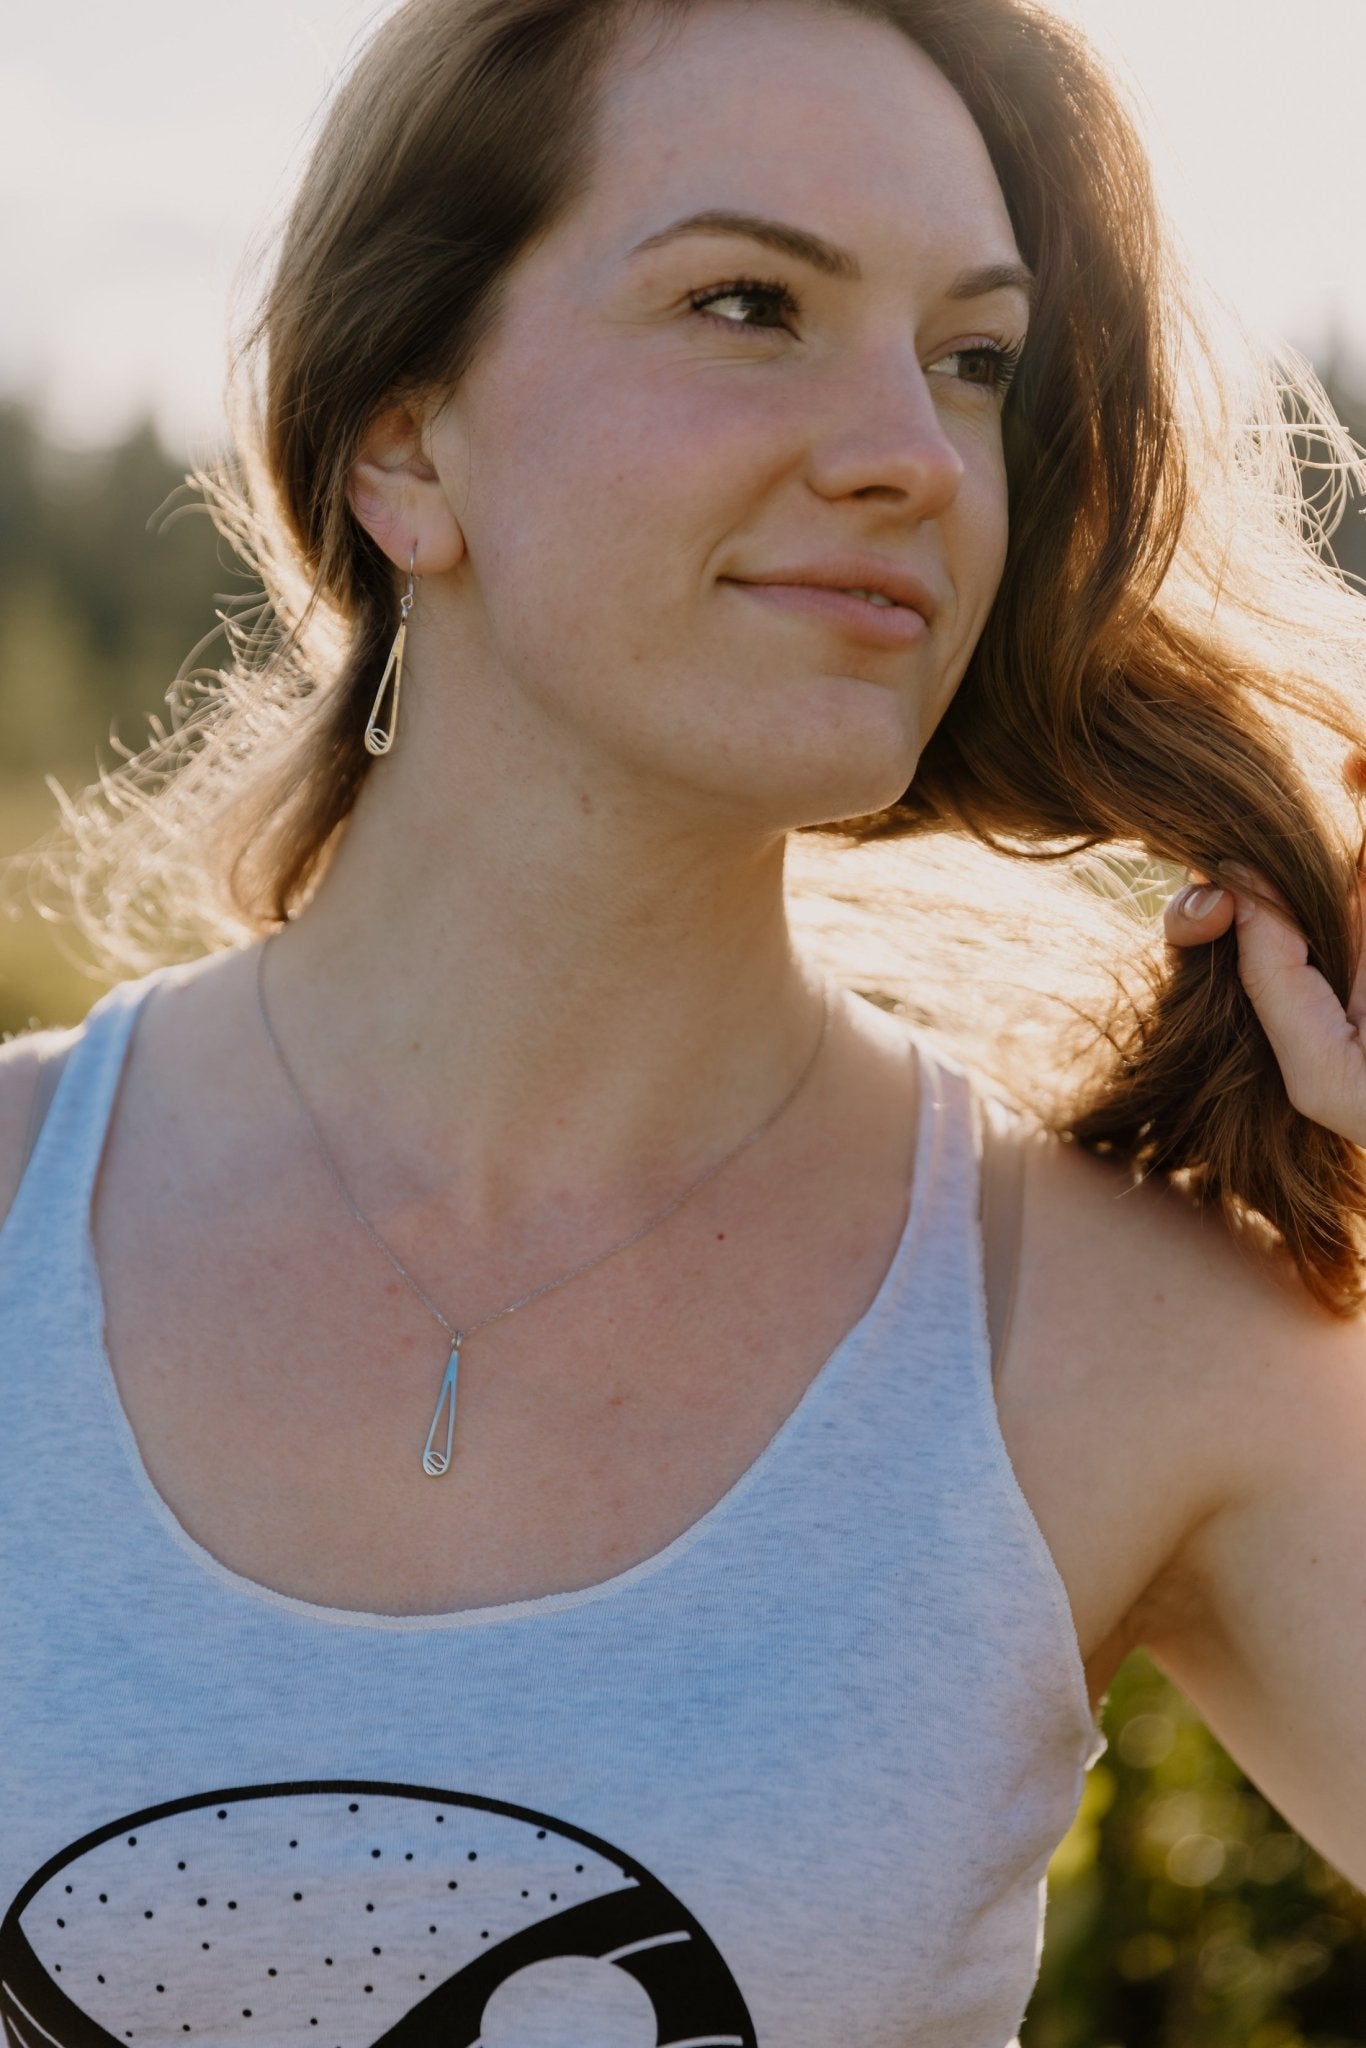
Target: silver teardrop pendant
[{"x": 435, "y": 1462}]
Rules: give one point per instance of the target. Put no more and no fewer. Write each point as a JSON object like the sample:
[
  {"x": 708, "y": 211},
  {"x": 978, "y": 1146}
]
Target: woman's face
[{"x": 676, "y": 424}]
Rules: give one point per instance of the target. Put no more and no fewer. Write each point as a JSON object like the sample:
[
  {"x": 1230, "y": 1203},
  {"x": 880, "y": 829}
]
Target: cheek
[
  {"x": 986, "y": 493},
  {"x": 978, "y": 535},
  {"x": 610, "y": 498},
  {"x": 625, "y": 418}
]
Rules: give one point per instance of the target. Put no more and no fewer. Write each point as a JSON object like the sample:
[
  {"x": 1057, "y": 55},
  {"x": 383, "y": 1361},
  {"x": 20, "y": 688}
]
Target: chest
[
  {"x": 838, "y": 1802},
  {"x": 281, "y": 1381},
  {"x": 281, "y": 1390}
]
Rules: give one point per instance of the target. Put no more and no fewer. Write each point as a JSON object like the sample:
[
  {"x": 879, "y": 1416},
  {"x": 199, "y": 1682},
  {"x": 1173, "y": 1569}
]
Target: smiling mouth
[{"x": 860, "y": 614}]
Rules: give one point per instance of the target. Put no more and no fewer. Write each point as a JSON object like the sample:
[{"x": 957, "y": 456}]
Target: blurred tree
[
  {"x": 111, "y": 574},
  {"x": 105, "y": 587},
  {"x": 1183, "y": 1911}
]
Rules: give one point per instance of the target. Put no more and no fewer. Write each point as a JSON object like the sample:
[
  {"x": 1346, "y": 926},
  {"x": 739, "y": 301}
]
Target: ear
[{"x": 396, "y": 494}]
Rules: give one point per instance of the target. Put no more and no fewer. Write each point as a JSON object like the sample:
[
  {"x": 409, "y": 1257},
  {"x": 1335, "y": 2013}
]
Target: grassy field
[{"x": 40, "y": 982}]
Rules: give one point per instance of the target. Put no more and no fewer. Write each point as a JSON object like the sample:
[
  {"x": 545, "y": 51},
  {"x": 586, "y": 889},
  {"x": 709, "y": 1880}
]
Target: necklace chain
[{"x": 433, "y": 1463}]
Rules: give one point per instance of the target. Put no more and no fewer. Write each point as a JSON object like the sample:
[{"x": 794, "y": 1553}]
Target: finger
[
  {"x": 1356, "y": 999},
  {"x": 1252, "y": 880},
  {"x": 1316, "y": 1045},
  {"x": 1198, "y": 913},
  {"x": 1256, "y": 885}
]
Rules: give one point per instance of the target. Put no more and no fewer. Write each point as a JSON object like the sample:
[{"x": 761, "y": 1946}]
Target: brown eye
[
  {"x": 767, "y": 295},
  {"x": 993, "y": 365}
]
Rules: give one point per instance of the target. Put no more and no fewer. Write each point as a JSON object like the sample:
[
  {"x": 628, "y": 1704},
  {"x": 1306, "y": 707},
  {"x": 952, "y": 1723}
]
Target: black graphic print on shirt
[{"x": 357, "y": 1915}]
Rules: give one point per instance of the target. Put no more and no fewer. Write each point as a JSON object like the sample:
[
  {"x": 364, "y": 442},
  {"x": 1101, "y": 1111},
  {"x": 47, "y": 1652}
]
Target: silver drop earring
[{"x": 379, "y": 733}]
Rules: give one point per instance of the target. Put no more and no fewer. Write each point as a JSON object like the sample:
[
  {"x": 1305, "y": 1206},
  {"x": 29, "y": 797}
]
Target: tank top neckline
[{"x": 118, "y": 1014}]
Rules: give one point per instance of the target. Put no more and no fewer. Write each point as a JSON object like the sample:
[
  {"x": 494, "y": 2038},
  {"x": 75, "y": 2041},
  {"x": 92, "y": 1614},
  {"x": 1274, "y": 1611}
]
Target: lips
[
  {"x": 849, "y": 573},
  {"x": 890, "y": 625}
]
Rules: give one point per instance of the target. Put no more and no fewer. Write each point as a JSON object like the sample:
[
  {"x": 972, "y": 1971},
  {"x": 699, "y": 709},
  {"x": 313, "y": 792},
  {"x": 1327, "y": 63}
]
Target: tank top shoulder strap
[
  {"x": 954, "y": 1112},
  {"x": 947, "y": 1306},
  {"x": 66, "y": 1149},
  {"x": 974, "y": 1156}
]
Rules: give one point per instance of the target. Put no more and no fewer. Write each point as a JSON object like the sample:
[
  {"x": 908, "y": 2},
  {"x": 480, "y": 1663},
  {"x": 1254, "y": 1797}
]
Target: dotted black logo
[{"x": 344, "y": 1914}]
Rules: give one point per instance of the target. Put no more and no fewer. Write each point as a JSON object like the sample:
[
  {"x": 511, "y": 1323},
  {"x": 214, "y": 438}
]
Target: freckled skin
[{"x": 696, "y": 450}]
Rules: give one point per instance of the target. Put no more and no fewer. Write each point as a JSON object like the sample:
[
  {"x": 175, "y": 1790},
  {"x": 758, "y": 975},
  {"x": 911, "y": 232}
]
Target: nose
[{"x": 883, "y": 438}]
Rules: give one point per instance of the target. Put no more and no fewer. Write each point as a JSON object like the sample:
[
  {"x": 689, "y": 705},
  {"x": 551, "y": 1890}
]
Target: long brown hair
[{"x": 1172, "y": 671}]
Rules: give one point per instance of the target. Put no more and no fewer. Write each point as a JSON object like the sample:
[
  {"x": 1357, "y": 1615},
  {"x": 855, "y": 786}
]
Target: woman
[{"x": 647, "y": 391}]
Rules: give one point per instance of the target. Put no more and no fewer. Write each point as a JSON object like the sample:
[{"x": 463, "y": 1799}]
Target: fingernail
[{"x": 1198, "y": 901}]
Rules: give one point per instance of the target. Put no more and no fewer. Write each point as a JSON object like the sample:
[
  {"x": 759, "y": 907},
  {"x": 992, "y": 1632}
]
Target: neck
[{"x": 499, "y": 993}]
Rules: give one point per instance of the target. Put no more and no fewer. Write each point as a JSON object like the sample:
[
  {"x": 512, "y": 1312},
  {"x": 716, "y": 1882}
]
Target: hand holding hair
[{"x": 1317, "y": 1042}]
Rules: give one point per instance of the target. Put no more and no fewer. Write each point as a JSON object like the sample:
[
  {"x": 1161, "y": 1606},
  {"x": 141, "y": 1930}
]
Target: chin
[
  {"x": 852, "y": 752},
  {"x": 851, "y": 780},
  {"x": 821, "y": 797},
  {"x": 808, "y": 751},
  {"x": 836, "y": 810}
]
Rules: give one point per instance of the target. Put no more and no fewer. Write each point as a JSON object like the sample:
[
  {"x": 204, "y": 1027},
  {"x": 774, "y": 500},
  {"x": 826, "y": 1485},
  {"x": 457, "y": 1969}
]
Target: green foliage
[
  {"x": 1183, "y": 1911},
  {"x": 110, "y": 578},
  {"x": 110, "y": 575}
]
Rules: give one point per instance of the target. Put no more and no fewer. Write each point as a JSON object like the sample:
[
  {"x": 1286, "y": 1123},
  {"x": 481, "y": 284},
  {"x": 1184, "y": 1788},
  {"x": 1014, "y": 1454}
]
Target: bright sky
[{"x": 145, "y": 146}]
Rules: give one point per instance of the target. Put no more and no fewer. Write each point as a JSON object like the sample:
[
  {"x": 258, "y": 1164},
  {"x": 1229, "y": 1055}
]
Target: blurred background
[{"x": 146, "y": 155}]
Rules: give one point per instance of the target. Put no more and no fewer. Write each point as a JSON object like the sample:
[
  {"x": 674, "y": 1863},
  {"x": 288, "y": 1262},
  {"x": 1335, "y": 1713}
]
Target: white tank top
[{"x": 793, "y": 1781}]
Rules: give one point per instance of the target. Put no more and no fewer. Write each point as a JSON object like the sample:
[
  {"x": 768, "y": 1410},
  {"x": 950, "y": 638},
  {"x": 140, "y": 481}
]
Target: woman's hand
[{"x": 1317, "y": 1043}]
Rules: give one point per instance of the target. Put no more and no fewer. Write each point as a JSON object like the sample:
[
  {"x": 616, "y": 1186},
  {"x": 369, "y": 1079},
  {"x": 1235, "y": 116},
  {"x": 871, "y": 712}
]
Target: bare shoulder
[
  {"x": 1192, "y": 1427},
  {"x": 1163, "y": 1294},
  {"x": 1150, "y": 1274},
  {"x": 1156, "y": 1370},
  {"x": 21, "y": 1064}
]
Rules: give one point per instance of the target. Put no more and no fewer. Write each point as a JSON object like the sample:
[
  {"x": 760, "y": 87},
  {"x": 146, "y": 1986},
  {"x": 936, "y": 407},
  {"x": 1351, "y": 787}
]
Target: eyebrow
[{"x": 827, "y": 257}]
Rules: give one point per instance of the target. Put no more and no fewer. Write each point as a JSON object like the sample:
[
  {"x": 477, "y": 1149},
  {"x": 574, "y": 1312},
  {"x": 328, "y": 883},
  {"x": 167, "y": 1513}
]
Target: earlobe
[{"x": 397, "y": 495}]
